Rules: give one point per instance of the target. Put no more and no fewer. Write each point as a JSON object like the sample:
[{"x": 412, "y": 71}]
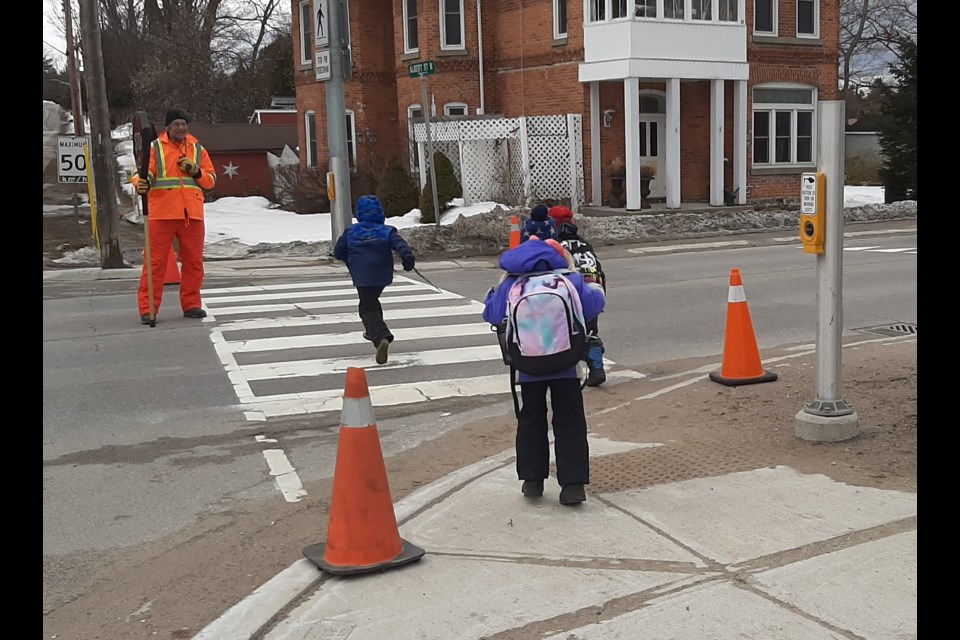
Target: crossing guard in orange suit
[{"x": 176, "y": 211}]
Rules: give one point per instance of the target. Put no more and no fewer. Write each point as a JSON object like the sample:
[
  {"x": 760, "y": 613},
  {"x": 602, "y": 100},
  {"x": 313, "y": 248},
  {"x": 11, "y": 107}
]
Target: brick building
[{"x": 716, "y": 95}]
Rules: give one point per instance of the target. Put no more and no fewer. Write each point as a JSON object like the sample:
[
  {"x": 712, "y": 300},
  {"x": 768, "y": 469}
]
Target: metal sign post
[{"x": 422, "y": 70}]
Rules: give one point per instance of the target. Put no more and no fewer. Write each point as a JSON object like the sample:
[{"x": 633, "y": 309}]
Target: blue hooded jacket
[
  {"x": 534, "y": 257},
  {"x": 367, "y": 246}
]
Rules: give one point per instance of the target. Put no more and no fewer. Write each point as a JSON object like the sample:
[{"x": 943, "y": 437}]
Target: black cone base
[
  {"x": 766, "y": 376},
  {"x": 315, "y": 552}
]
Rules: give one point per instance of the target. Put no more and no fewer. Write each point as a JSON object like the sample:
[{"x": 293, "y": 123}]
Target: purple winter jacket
[{"x": 537, "y": 257}]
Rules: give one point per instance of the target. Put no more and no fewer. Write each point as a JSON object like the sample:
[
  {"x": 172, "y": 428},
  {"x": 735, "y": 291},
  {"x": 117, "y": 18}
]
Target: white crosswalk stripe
[{"x": 286, "y": 347}]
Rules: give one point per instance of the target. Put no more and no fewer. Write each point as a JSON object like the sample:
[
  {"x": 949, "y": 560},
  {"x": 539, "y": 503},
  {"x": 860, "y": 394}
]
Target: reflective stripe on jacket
[{"x": 173, "y": 194}]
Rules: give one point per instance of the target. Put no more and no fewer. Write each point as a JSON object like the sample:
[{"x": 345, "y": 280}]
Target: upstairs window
[
  {"x": 701, "y": 9},
  {"x": 765, "y": 17},
  {"x": 559, "y": 19},
  {"x": 618, "y": 8},
  {"x": 807, "y": 18},
  {"x": 673, "y": 9},
  {"x": 451, "y": 24},
  {"x": 598, "y": 10},
  {"x": 645, "y": 8},
  {"x": 306, "y": 33},
  {"x": 411, "y": 35},
  {"x": 728, "y": 10},
  {"x": 455, "y": 109},
  {"x": 783, "y": 125}
]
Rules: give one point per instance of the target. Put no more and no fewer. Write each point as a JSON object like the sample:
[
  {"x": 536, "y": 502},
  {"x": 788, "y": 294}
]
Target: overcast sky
[{"x": 54, "y": 44}]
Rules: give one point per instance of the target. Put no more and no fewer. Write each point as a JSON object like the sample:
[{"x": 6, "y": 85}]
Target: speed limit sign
[{"x": 71, "y": 159}]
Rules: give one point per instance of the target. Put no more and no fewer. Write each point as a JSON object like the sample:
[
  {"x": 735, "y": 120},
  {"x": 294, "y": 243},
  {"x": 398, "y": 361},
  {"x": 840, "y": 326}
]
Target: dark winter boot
[{"x": 595, "y": 351}]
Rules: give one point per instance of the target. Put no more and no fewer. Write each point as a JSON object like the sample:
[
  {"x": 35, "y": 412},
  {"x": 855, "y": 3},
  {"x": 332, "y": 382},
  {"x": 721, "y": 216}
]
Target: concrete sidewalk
[{"x": 768, "y": 553}]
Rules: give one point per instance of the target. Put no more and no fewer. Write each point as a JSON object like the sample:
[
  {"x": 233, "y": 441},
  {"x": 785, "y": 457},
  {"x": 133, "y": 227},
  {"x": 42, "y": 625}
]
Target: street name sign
[{"x": 422, "y": 69}]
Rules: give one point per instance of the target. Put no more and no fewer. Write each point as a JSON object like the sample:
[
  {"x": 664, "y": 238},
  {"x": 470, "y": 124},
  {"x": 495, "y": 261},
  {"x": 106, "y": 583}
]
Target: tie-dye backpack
[{"x": 545, "y": 327}]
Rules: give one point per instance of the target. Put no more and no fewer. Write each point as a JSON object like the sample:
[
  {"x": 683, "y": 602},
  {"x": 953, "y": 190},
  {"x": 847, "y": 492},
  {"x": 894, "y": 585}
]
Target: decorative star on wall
[{"x": 231, "y": 170}]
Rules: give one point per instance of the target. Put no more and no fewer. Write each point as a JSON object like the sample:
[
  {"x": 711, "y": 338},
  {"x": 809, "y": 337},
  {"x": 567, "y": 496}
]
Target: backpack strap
[{"x": 513, "y": 391}]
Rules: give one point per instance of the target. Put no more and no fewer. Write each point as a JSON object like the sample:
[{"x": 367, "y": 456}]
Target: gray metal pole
[
  {"x": 432, "y": 173},
  {"x": 829, "y": 418},
  {"x": 341, "y": 212}
]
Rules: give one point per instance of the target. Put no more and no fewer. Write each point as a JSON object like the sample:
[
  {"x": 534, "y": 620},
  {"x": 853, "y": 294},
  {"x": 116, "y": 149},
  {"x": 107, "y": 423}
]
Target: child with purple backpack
[{"x": 540, "y": 308}]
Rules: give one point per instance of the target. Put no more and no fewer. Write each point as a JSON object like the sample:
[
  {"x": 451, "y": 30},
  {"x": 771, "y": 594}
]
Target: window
[
  {"x": 765, "y": 17},
  {"x": 728, "y": 10},
  {"x": 645, "y": 8},
  {"x": 411, "y": 36},
  {"x": 783, "y": 125},
  {"x": 618, "y": 8},
  {"x": 559, "y": 19},
  {"x": 807, "y": 19},
  {"x": 351, "y": 140},
  {"x": 701, "y": 10},
  {"x": 311, "y": 126},
  {"x": 598, "y": 10},
  {"x": 451, "y": 24},
  {"x": 455, "y": 109},
  {"x": 673, "y": 9},
  {"x": 414, "y": 114},
  {"x": 306, "y": 33}
]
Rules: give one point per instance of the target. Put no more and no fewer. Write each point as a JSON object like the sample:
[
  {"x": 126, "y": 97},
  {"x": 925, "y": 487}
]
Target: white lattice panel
[{"x": 487, "y": 156}]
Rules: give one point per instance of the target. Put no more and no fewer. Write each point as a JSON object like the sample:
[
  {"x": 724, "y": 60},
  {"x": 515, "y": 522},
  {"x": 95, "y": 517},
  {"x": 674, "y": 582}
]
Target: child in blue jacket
[
  {"x": 367, "y": 249},
  {"x": 566, "y": 396}
]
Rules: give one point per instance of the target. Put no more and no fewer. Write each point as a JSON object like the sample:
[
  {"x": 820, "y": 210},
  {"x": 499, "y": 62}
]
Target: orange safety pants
[{"x": 190, "y": 235}]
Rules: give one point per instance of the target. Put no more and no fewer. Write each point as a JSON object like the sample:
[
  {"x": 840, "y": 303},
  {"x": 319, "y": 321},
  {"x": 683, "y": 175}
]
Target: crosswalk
[{"x": 286, "y": 346}]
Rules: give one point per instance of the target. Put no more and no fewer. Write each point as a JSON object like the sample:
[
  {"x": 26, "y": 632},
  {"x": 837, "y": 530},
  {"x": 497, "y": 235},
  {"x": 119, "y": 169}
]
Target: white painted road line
[
  {"x": 703, "y": 245},
  {"x": 285, "y": 476},
  {"x": 334, "y": 304},
  {"x": 471, "y": 307},
  {"x": 354, "y": 337}
]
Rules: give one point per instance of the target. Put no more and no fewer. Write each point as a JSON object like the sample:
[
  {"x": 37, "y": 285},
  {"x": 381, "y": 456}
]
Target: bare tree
[{"x": 869, "y": 33}]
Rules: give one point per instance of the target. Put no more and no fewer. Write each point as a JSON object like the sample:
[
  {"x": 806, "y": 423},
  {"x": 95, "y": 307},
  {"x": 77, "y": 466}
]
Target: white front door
[{"x": 652, "y": 127}]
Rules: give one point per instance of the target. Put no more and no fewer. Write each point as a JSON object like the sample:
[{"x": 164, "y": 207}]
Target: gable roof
[{"x": 245, "y": 137}]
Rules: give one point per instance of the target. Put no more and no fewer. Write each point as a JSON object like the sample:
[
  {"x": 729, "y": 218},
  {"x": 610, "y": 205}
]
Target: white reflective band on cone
[
  {"x": 356, "y": 413},
  {"x": 736, "y": 294}
]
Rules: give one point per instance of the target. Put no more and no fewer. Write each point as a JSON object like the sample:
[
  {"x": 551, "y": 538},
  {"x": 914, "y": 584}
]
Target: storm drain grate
[{"x": 893, "y": 330}]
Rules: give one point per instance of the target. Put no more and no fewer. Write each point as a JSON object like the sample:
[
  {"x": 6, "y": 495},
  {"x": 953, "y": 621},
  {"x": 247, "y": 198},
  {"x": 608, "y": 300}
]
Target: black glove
[
  {"x": 189, "y": 167},
  {"x": 408, "y": 262}
]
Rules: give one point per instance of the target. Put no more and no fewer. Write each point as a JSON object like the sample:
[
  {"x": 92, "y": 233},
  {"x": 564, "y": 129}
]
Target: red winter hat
[{"x": 561, "y": 214}]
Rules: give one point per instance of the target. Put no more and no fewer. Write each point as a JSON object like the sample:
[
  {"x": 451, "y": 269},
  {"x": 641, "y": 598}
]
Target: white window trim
[
  {"x": 443, "y": 31},
  {"x": 311, "y": 161},
  {"x": 406, "y": 18},
  {"x": 816, "y": 21},
  {"x": 306, "y": 48},
  {"x": 557, "y": 34},
  {"x": 414, "y": 164},
  {"x": 775, "y": 19},
  {"x": 456, "y": 105},
  {"x": 794, "y": 108}
]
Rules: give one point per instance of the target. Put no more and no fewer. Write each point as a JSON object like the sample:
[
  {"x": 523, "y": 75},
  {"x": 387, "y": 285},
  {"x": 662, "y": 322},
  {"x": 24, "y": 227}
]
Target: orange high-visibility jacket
[{"x": 173, "y": 194}]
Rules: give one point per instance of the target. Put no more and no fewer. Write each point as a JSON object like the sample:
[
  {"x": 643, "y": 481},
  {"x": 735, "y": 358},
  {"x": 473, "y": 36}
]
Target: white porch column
[
  {"x": 596, "y": 184},
  {"x": 716, "y": 142},
  {"x": 631, "y": 130},
  {"x": 672, "y": 151},
  {"x": 740, "y": 140}
]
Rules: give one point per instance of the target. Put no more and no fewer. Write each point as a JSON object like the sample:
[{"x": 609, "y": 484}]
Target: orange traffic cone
[
  {"x": 741, "y": 358},
  {"x": 172, "y": 275},
  {"x": 514, "y": 232},
  {"x": 362, "y": 534}
]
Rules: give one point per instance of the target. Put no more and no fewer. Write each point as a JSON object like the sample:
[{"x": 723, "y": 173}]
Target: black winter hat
[
  {"x": 175, "y": 114},
  {"x": 539, "y": 212}
]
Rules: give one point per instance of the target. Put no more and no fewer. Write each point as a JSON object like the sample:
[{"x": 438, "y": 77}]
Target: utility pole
[
  {"x": 101, "y": 143},
  {"x": 341, "y": 204},
  {"x": 74, "y": 76}
]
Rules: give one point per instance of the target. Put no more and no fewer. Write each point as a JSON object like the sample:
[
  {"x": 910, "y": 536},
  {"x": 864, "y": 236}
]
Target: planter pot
[
  {"x": 645, "y": 193},
  {"x": 616, "y": 192}
]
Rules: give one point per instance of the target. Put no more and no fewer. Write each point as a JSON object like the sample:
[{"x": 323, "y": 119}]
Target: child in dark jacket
[
  {"x": 585, "y": 261},
  {"x": 569, "y": 421},
  {"x": 539, "y": 224},
  {"x": 367, "y": 249}
]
